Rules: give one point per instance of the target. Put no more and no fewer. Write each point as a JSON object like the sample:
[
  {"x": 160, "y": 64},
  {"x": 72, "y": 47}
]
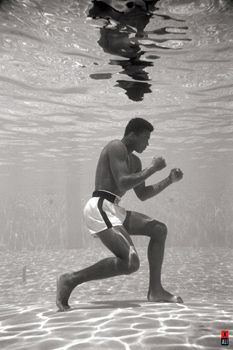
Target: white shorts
[{"x": 101, "y": 214}]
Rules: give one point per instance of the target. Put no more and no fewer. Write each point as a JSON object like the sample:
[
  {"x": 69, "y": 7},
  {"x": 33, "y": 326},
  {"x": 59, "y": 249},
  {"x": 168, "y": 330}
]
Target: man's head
[{"x": 138, "y": 131}]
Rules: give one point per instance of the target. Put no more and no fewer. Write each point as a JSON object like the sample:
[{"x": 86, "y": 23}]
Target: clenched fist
[
  {"x": 175, "y": 175},
  {"x": 158, "y": 163}
]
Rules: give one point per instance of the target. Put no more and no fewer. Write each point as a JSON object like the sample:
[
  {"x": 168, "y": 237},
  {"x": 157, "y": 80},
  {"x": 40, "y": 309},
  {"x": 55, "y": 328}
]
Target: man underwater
[{"x": 119, "y": 170}]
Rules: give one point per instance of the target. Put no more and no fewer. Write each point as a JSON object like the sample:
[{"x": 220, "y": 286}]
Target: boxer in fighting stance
[{"x": 119, "y": 170}]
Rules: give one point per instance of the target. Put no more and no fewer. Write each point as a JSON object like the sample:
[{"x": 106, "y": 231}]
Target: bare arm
[
  {"x": 144, "y": 192},
  {"x": 118, "y": 158}
]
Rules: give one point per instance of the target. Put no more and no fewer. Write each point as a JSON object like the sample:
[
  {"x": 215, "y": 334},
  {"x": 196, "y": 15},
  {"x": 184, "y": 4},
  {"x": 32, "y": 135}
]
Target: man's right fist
[{"x": 158, "y": 163}]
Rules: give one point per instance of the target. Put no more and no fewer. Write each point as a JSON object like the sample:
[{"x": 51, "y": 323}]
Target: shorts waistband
[{"x": 106, "y": 195}]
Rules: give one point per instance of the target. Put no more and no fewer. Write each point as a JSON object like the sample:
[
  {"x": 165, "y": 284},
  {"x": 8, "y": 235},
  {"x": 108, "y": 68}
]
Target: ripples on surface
[
  {"x": 59, "y": 67},
  {"x": 114, "y": 314}
]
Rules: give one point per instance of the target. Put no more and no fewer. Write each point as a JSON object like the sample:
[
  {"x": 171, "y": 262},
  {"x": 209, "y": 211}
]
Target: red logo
[
  {"x": 224, "y": 334},
  {"x": 224, "y": 337}
]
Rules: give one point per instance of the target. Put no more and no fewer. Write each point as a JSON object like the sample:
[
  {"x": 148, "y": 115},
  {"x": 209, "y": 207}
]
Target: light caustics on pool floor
[
  {"x": 113, "y": 313},
  {"x": 115, "y": 325}
]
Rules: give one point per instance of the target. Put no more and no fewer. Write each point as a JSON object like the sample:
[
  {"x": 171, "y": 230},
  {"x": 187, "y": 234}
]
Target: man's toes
[{"x": 62, "y": 307}]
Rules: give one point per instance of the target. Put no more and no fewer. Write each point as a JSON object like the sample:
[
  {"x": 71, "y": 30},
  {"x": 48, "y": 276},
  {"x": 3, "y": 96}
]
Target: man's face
[{"x": 142, "y": 141}]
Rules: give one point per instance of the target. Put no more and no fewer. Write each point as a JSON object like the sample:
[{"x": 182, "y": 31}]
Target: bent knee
[
  {"x": 159, "y": 231},
  {"x": 133, "y": 263},
  {"x": 163, "y": 229}
]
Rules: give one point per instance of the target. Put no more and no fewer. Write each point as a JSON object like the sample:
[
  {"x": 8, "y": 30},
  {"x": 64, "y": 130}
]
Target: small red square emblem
[{"x": 224, "y": 334}]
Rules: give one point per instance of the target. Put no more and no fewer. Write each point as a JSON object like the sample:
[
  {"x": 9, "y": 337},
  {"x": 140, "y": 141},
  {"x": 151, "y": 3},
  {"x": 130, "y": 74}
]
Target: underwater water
[
  {"x": 72, "y": 74},
  {"x": 70, "y": 79}
]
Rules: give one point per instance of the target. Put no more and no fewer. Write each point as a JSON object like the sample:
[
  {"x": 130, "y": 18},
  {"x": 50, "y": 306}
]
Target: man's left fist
[{"x": 175, "y": 175}]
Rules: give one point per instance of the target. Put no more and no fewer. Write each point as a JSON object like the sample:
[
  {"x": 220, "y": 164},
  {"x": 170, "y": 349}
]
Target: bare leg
[
  {"x": 125, "y": 261},
  {"x": 140, "y": 224},
  {"x": 155, "y": 254}
]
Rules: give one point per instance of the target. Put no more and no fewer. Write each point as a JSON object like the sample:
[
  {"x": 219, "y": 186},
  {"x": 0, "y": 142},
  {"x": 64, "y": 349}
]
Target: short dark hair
[{"x": 137, "y": 125}]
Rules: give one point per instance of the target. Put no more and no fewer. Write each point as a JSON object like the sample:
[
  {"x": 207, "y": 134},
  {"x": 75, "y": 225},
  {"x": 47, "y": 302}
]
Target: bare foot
[
  {"x": 164, "y": 297},
  {"x": 63, "y": 292}
]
